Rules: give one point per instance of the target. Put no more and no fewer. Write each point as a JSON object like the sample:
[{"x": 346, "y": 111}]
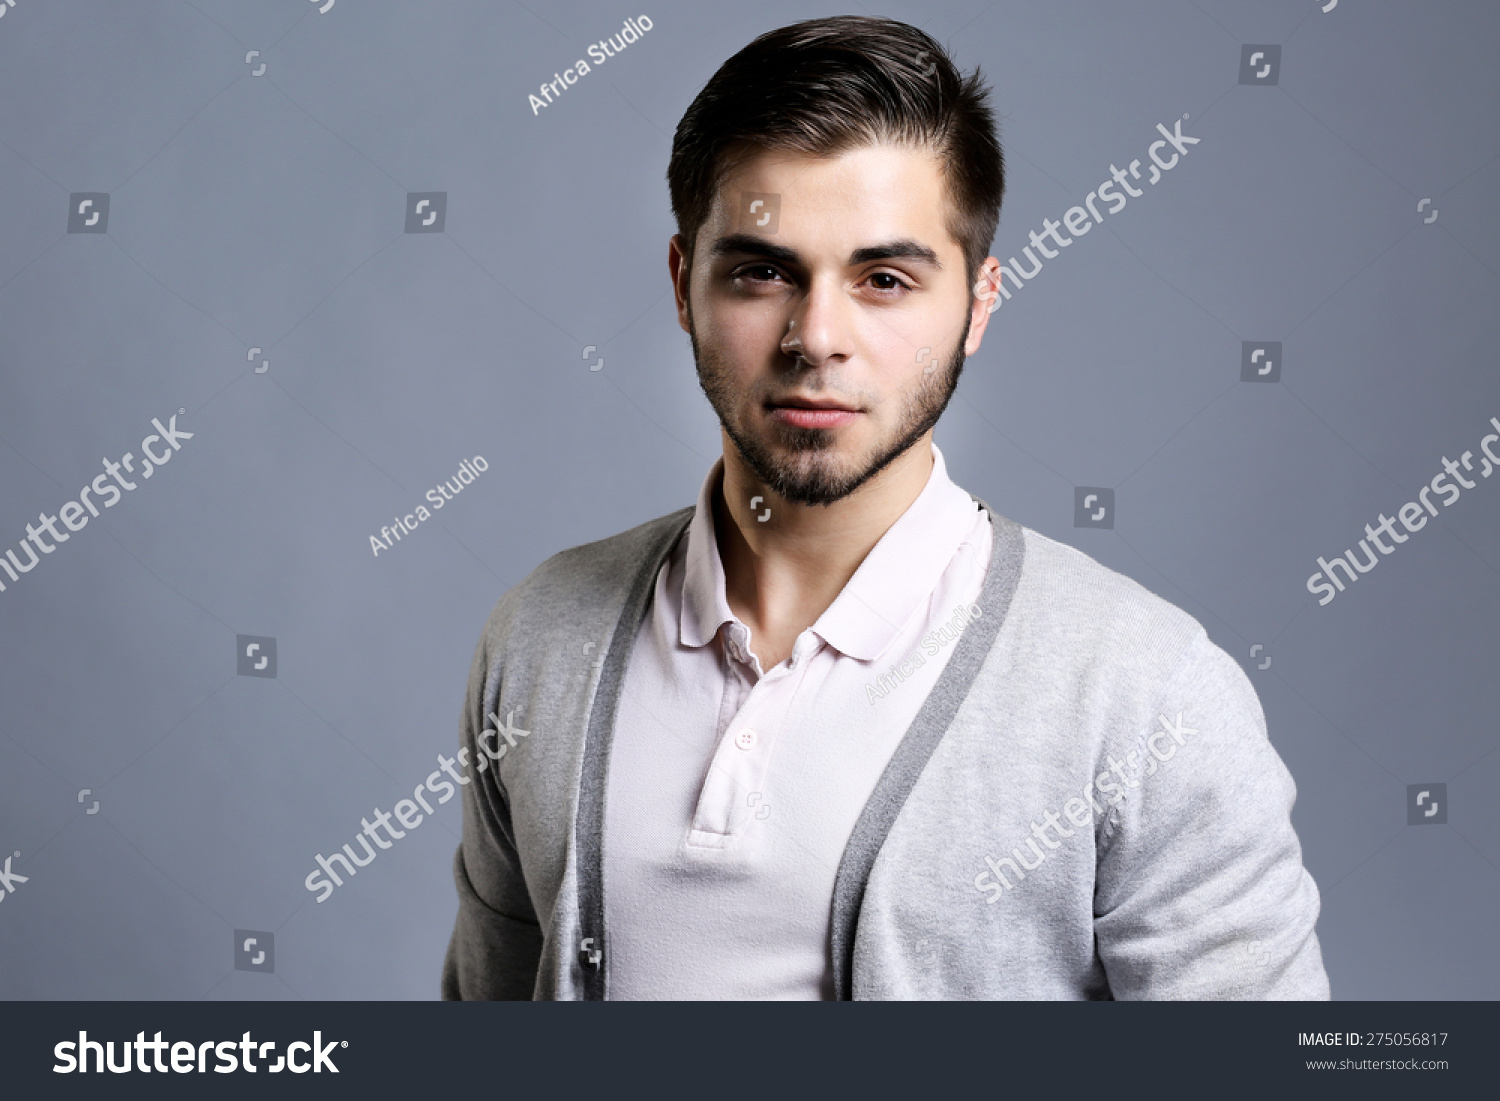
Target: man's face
[{"x": 829, "y": 323}]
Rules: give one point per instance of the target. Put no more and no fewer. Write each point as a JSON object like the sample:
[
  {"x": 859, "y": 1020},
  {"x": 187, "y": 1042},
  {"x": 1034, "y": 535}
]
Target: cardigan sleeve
[
  {"x": 1200, "y": 892},
  {"x": 496, "y": 944}
]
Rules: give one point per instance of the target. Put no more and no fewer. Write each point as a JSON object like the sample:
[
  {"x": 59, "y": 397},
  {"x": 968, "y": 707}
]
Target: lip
[
  {"x": 807, "y": 413},
  {"x": 809, "y": 403}
]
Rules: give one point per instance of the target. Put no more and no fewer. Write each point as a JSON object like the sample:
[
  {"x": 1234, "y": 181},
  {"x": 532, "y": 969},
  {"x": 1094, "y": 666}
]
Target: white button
[{"x": 745, "y": 739}]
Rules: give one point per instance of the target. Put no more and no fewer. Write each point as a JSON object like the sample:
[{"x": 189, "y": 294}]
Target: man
[{"x": 841, "y": 730}]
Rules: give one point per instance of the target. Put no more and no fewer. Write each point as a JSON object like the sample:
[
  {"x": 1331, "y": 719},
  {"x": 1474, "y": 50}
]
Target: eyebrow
[{"x": 749, "y": 244}]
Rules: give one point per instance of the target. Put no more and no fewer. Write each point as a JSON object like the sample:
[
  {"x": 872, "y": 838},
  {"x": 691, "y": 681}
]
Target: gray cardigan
[{"x": 1086, "y": 806}]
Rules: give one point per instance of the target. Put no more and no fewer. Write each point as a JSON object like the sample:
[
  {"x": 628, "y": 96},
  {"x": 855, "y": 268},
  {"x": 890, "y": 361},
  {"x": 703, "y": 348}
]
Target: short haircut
[{"x": 825, "y": 86}]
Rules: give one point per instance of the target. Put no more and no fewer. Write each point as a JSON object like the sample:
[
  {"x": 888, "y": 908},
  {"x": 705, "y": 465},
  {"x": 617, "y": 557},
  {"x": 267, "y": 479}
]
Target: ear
[
  {"x": 986, "y": 300},
  {"x": 681, "y": 271}
]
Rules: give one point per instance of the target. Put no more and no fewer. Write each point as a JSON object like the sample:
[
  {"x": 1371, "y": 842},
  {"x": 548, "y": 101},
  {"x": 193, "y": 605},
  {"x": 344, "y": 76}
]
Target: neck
[{"x": 782, "y": 573}]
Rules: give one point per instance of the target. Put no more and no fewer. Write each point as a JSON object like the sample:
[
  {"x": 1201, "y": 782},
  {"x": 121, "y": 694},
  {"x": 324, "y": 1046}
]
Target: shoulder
[
  {"x": 1079, "y": 589},
  {"x": 605, "y": 565},
  {"x": 1086, "y": 613},
  {"x": 575, "y": 586}
]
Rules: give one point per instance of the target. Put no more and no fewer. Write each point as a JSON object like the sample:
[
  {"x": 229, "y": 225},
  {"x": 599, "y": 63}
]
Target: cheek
[
  {"x": 897, "y": 348},
  {"x": 739, "y": 332},
  {"x": 894, "y": 337}
]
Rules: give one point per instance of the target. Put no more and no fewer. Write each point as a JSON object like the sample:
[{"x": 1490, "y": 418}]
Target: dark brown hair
[{"x": 825, "y": 86}]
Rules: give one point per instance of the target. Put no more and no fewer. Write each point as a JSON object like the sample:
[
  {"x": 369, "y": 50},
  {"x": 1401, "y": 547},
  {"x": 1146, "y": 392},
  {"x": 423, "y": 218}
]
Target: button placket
[
  {"x": 741, "y": 761},
  {"x": 738, "y": 765},
  {"x": 742, "y": 758}
]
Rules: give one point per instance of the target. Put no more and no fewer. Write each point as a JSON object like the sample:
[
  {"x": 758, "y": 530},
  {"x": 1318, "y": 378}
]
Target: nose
[{"x": 820, "y": 329}]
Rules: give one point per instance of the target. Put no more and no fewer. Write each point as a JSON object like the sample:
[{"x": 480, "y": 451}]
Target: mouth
[{"x": 811, "y": 412}]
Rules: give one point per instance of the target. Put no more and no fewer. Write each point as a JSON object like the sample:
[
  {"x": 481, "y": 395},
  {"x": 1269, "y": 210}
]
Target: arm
[
  {"x": 1200, "y": 890},
  {"x": 497, "y": 941}
]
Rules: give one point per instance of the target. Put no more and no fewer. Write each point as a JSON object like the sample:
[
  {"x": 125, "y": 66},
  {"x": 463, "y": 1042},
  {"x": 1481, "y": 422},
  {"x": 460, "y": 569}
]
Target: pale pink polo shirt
[{"x": 732, "y": 790}]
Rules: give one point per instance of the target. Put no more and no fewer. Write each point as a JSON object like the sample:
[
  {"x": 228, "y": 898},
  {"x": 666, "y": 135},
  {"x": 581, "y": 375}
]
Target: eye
[
  {"x": 756, "y": 273},
  {"x": 888, "y": 282}
]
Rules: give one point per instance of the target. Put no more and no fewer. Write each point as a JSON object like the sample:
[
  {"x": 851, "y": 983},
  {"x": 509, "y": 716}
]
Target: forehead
[{"x": 868, "y": 193}]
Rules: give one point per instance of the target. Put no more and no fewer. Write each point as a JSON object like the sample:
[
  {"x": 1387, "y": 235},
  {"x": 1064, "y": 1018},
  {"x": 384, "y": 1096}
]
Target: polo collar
[{"x": 891, "y": 585}]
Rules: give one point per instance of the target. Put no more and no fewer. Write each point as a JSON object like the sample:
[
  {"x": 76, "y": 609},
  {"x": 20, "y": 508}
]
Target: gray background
[{"x": 270, "y": 212}]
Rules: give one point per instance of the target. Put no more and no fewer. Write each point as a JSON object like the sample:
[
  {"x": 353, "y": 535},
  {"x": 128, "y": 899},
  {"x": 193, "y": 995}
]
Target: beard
[{"x": 800, "y": 464}]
